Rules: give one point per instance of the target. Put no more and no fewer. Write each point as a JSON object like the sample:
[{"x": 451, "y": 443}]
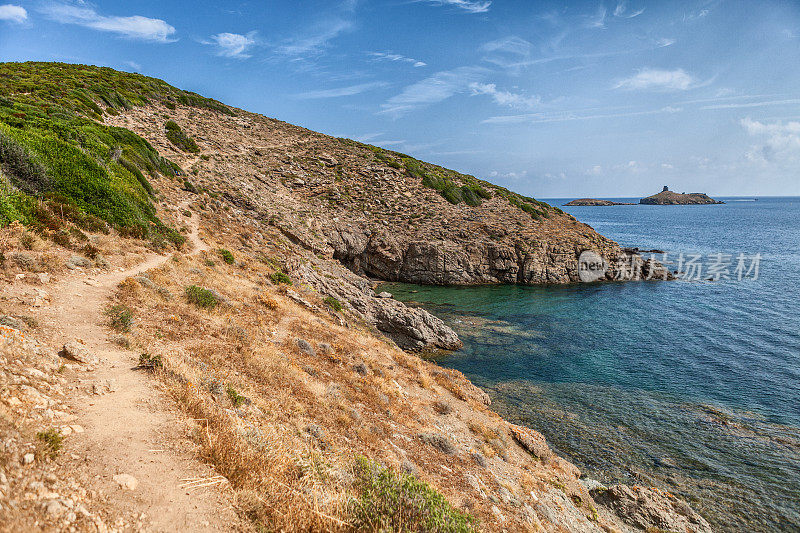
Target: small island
[
  {"x": 667, "y": 197},
  {"x": 593, "y": 202}
]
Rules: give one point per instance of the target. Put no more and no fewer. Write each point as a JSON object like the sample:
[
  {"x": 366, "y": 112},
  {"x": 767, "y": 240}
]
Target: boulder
[
  {"x": 651, "y": 509},
  {"x": 532, "y": 441},
  {"x": 126, "y": 481},
  {"x": 78, "y": 352}
]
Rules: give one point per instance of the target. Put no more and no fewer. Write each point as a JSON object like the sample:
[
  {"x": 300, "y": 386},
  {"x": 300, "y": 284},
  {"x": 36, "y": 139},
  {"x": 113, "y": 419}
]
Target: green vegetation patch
[
  {"x": 227, "y": 256},
  {"x": 121, "y": 317},
  {"x": 176, "y": 136},
  {"x": 54, "y": 148},
  {"x": 279, "y": 277},
  {"x": 52, "y": 441},
  {"x": 201, "y": 297},
  {"x": 333, "y": 303},
  {"x": 236, "y": 399},
  {"x": 388, "y": 501},
  {"x": 150, "y": 362}
]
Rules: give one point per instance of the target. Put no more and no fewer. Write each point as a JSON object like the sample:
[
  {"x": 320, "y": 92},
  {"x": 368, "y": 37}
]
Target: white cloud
[
  {"x": 740, "y": 105},
  {"x": 569, "y": 116},
  {"x": 470, "y": 6},
  {"x": 622, "y": 11},
  {"x": 434, "y": 89},
  {"x": 233, "y": 44},
  {"x": 658, "y": 79},
  {"x": 134, "y": 65},
  {"x": 505, "y": 98},
  {"x": 133, "y": 27},
  {"x": 599, "y": 20},
  {"x": 779, "y": 142},
  {"x": 387, "y": 56},
  {"x": 13, "y": 13},
  {"x": 341, "y": 91},
  {"x": 664, "y": 42},
  {"x": 316, "y": 39},
  {"x": 509, "y": 45}
]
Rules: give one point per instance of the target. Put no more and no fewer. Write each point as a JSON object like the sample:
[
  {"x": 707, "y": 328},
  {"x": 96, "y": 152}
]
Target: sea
[{"x": 692, "y": 385}]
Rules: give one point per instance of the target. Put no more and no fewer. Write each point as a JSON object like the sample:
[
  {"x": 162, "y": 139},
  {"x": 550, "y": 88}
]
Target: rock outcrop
[{"x": 651, "y": 509}]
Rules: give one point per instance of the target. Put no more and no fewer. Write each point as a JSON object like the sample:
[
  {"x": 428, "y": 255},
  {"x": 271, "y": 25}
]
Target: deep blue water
[{"x": 693, "y": 386}]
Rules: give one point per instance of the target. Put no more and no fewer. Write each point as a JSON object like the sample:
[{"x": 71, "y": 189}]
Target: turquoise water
[{"x": 692, "y": 386}]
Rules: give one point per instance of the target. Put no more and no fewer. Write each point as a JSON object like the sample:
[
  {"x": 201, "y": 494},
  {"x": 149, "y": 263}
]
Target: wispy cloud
[
  {"x": 657, "y": 79},
  {"x": 470, "y": 6},
  {"x": 741, "y": 105},
  {"x": 132, "y": 27},
  {"x": 622, "y": 11},
  {"x": 505, "y": 98},
  {"x": 233, "y": 45},
  {"x": 599, "y": 19},
  {"x": 12, "y": 13},
  {"x": 388, "y": 56},
  {"x": 341, "y": 91},
  {"x": 665, "y": 41},
  {"x": 433, "y": 89},
  {"x": 569, "y": 116},
  {"x": 316, "y": 39}
]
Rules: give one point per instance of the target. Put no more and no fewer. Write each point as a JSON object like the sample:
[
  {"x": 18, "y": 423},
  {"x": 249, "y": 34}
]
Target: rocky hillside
[
  {"x": 166, "y": 258},
  {"x": 381, "y": 213}
]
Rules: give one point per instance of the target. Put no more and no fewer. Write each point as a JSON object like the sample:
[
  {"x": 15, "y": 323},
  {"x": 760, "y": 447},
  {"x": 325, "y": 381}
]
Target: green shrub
[
  {"x": 236, "y": 399},
  {"x": 121, "y": 317},
  {"x": 176, "y": 136},
  {"x": 279, "y": 277},
  {"x": 150, "y": 362},
  {"x": 333, "y": 303},
  {"x": 227, "y": 256},
  {"x": 201, "y": 297},
  {"x": 388, "y": 501},
  {"x": 52, "y": 441},
  {"x": 26, "y": 172}
]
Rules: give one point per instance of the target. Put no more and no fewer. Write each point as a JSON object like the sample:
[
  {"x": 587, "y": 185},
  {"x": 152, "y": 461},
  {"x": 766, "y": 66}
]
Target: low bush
[
  {"x": 150, "y": 362},
  {"x": 388, "y": 501},
  {"x": 176, "y": 136},
  {"x": 201, "y": 297},
  {"x": 52, "y": 442},
  {"x": 333, "y": 303},
  {"x": 236, "y": 399},
  {"x": 121, "y": 317},
  {"x": 227, "y": 256},
  {"x": 279, "y": 277}
]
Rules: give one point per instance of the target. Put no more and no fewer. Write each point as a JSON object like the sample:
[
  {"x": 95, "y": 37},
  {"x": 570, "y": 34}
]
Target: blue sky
[{"x": 552, "y": 99}]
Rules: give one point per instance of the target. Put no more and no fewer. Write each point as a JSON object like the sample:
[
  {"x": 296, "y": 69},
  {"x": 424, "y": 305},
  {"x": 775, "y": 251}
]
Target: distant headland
[
  {"x": 593, "y": 202},
  {"x": 667, "y": 197}
]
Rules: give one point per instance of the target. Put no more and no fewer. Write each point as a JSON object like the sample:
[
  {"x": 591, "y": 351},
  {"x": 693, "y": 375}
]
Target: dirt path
[{"x": 133, "y": 429}]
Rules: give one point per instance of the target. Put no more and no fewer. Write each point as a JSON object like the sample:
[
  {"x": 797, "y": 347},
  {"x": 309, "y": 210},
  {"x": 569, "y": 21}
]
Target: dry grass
[{"x": 287, "y": 438}]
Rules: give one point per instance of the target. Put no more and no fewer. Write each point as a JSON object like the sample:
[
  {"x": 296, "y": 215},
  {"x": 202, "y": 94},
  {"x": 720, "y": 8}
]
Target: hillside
[{"x": 188, "y": 339}]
